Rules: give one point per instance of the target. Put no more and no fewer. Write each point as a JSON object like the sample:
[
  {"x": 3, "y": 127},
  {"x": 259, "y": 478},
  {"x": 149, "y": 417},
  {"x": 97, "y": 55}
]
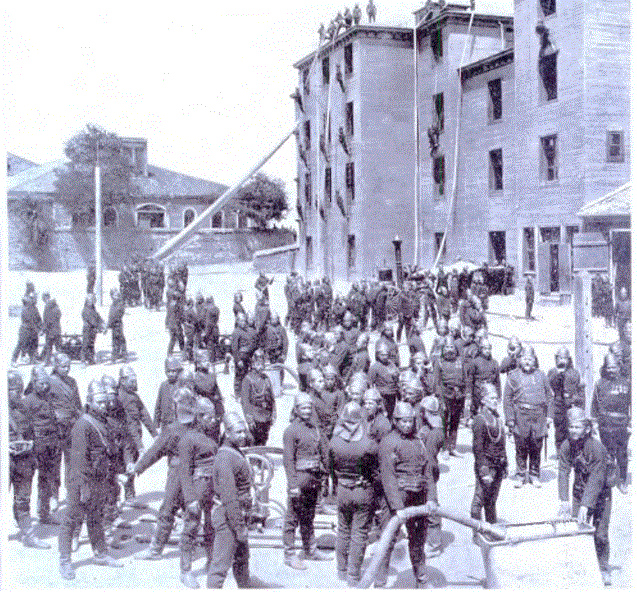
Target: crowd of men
[{"x": 364, "y": 432}]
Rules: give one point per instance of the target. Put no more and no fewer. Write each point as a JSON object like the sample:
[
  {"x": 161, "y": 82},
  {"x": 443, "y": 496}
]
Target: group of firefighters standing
[{"x": 365, "y": 433}]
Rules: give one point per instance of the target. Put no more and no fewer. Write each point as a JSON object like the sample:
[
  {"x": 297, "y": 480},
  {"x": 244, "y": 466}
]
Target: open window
[
  {"x": 548, "y": 77},
  {"x": 350, "y": 182},
  {"x": 349, "y": 61},
  {"x": 548, "y": 158},
  {"x": 151, "y": 216},
  {"x": 439, "y": 111},
  {"x": 495, "y": 170},
  {"x": 495, "y": 100},
  {"x": 439, "y": 177},
  {"x": 189, "y": 216},
  {"x": 109, "y": 217}
]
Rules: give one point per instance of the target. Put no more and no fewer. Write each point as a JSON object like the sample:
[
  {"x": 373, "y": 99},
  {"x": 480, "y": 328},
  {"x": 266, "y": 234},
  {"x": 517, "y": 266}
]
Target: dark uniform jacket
[
  {"x": 40, "y": 413},
  {"x": 232, "y": 480},
  {"x": 360, "y": 363},
  {"x": 242, "y": 344},
  {"x": 276, "y": 342},
  {"x": 66, "y": 399},
  {"x": 489, "y": 446},
  {"x": 405, "y": 465},
  {"x": 165, "y": 405},
  {"x": 30, "y": 318},
  {"x": 611, "y": 402},
  {"x": 91, "y": 448},
  {"x": 116, "y": 315},
  {"x": 384, "y": 378},
  {"x": 354, "y": 463},
  {"x": 528, "y": 401},
  {"x": 567, "y": 386},
  {"x": 51, "y": 319},
  {"x": 196, "y": 459},
  {"x": 165, "y": 444},
  {"x": 378, "y": 427},
  {"x": 481, "y": 369},
  {"x": 326, "y": 406},
  {"x": 508, "y": 364},
  {"x": 135, "y": 414},
  {"x": 450, "y": 378},
  {"x": 304, "y": 454},
  {"x": 91, "y": 319},
  {"x": 590, "y": 460},
  {"x": 257, "y": 398}
]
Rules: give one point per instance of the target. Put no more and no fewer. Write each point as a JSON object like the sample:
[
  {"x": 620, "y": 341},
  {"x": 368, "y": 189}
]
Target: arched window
[
  {"x": 151, "y": 216},
  {"x": 109, "y": 217},
  {"x": 217, "y": 220},
  {"x": 189, "y": 216}
]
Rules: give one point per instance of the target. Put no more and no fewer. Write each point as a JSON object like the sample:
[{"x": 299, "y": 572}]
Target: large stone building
[
  {"x": 44, "y": 234},
  {"x": 533, "y": 106}
]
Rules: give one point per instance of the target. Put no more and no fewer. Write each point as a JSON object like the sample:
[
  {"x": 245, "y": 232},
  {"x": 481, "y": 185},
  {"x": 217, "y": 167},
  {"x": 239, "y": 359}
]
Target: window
[
  {"x": 571, "y": 231},
  {"x": 497, "y": 247},
  {"x": 349, "y": 118},
  {"x": 326, "y": 70},
  {"x": 547, "y": 7},
  {"x": 529, "y": 249},
  {"x": 349, "y": 62},
  {"x": 550, "y": 234},
  {"x": 439, "y": 176},
  {"x": 306, "y": 82},
  {"x": 548, "y": 77},
  {"x": 328, "y": 185},
  {"x": 308, "y": 189},
  {"x": 217, "y": 220},
  {"x": 189, "y": 216},
  {"x": 495, "y": 99},
  {"x": 109, "y": 217},
  {"x": 308, "y": 134},
  {"x": 495, "y": 169},
  {"x": 349, "y": 181},
  {"x": 83, "y": 219},
  {"x": 438, "y": 236},
  {"x": 548, "y": 158},
  {"x": 351, "y": 251},
  {"x": 436, "y": 43},
  {"x": 614, "y": 146},
  {"x": 151, "y": 216},
  {"x": 439, "y": 111},
  {"x": 242, "y": 221}
]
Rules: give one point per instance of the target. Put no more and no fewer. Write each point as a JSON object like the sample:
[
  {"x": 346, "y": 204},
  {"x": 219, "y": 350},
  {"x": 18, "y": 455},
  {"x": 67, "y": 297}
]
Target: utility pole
[{"x": 98, "y": 228}]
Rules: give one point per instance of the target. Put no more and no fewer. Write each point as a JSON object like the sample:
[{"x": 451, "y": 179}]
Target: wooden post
[
  {"x": 98, "y": 235},
  {"x": 582, "y": 312}
]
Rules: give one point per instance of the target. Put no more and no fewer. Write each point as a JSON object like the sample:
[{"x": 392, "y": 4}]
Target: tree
[
  {"x": 262, "y": 199},
  {"x": 75, "y": 182}
]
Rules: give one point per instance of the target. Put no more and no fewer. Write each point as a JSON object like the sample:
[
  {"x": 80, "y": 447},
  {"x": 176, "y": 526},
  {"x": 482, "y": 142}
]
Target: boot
[
  {"x": 606, "y": 578},
  {"x": 189, "y": 580},
  {"x": 67, "y": 571},
  {"x": 106, "y": 561},
  {"x": 295, "y": 562},
  {"x": 535, "y": 481},
  {"x": 518, "y": 481},
  {"x": 150, "y": 554},
  {"x": 352, "y": 582},
  {"x": 30, "y": 540}
]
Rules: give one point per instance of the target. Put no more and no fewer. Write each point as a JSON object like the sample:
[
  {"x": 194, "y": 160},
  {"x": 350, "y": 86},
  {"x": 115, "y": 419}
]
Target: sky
[{"x": 207, "y": 84}]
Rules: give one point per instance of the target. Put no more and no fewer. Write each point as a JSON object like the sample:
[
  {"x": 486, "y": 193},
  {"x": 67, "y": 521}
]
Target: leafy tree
[
  {"x": 76, "y": 181},
  {"x": 262, "y": 199}
]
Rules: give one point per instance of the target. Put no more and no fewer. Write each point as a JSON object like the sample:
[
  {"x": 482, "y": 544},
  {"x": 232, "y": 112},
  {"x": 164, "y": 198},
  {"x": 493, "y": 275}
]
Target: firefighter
[
  {"x": 51, "y": 327},
  {"x": 568, "y": 390},
  {"x": 489, "y": 453},
  {"x": 241, "y": 348},
  {"x": 211, "y": 328},
  {"x": 305, "y": 462},
  {"x": 116, "y": 325},
  {"x": 22, "y": 461},
  {"x": 165, "y": 406},
  {"x": 611, "y": 408},
  {"x": 92, "y": 323},
  {"x": 197, "y": 449},
  {"x": 588, "y": 458},
  {"x": 257, "y": 400},
  {"x": 482, "y": 369},
  {"x": 232, "y": 483},
  {"x": 90, "y": 449},
  {"x": 407, "y": 477},
  {"x": 205, "y": 385},
  {"x": 383, "y": 374},
  {"x": 354, "y": 464},
  {"x": 528, "y": 409}
]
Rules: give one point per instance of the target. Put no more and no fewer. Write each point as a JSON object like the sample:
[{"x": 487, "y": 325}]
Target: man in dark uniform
[
  {"x": 591, "y": 490},
  {"x": 449, "y": 376},
  {"x": 407, "y": 477},
  {"x": 568, "y": 390},
  {"x": 90, "y": 449},
  {"x": 387, "y": 336},
  {"x": 174, "y": 316},
  {"x": 305, "y": 462},
  {"x": 167, "y": 444},
  {"x": 383, "y": 374},
  {"x": 42, "y": 421},
  {"x": 68, "y": 408},
  {"x": 22, "y": 461},
  {"x": 30, "y": 324},
  {"x": 611, "y": 407},
  {"x": 528, "y": 409},
  {"x": 135, "y": 414},
  {"x": 261, "y": 319},
  {"x": 197, "y": 449},
  {"x": 241, "y": 347},
  {"x": 191, "y": 336},
  {"x": 211, "y": 328},
  {"x": 51, "y": 327},
  {"x": 257, "y": 400},
  {"x": 232, "y": 482},
  {"x": 92, "y": 323},
  {"x": 276, "y": 342},
  {"x": 165, "y": 405},
  {"x": 116, "y": 325}
]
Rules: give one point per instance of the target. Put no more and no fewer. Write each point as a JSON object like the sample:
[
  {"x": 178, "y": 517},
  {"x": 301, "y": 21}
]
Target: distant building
[
  {"x": 539, "y": 103},
  {"x": 164, "y": 203},
  {"x": 17, "y": 164}
]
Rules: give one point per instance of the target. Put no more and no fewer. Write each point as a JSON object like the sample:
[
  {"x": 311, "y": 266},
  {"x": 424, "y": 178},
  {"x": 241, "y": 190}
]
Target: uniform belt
[
  {"x": 352, "y": 480},
  {"x": 530, "y": 407},
  {"x": 411, "y": 483},
  {"x": 307, "y": 464}
]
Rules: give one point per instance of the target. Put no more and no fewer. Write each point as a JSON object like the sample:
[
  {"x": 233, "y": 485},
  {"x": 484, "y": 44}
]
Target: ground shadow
[{"x": 547, "y": 475}]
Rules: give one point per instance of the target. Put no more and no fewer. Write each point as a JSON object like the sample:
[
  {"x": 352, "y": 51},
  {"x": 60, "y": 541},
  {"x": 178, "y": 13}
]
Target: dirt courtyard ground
[{"x": 461, "y": 563}]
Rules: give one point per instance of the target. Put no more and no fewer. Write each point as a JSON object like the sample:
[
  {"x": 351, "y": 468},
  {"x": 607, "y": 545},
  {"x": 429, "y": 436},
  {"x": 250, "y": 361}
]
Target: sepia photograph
[{"x": 317, "y": 295}]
